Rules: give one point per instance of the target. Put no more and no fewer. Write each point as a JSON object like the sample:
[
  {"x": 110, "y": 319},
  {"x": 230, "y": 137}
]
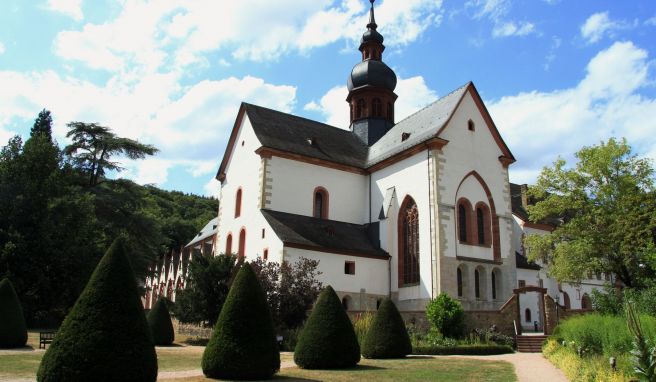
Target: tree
[
  {"x": 243, "y": 344},
  {"x": 328, "y": 340},
  {"x": 42, "y": 125},
  {"x": 13, "y": 332},
  {"x": 160, "y": 323},
  {"x": 387, "y": 337},
  {"x": 607, "y": 206},
  {"x": 446, "y": 315},
  {"x": 208, "y": 284},
  {"x": 105, "y": 336},
  {"x": 94, "y": 145},
  {"x": 290, "y": 288}
]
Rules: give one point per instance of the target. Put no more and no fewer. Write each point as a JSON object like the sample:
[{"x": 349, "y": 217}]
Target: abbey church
[{"x": 405, "y": 208}]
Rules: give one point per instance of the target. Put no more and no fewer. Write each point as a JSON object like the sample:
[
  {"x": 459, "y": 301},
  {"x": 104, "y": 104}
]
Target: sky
[{"x": 556, "y": 75}]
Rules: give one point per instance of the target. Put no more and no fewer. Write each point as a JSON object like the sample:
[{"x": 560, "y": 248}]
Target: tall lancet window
[
  {"x": 320, "y": 209},
  {"x": 408, "y": 243},
  {"x": 462, "y": 223}
]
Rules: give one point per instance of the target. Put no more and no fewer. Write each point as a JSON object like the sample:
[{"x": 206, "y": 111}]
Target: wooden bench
[{"x": 45, "y": 338}]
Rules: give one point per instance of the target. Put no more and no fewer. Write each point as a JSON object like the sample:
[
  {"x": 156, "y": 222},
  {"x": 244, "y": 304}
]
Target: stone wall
[
  {"x": 191, "y": 330},
  {"x": 556, "y": 313},
  {"x": 502, "y": 318}
]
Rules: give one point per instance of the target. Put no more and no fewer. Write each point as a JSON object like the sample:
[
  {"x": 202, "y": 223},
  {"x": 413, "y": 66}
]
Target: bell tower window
[{"x": 377, "y": 107}]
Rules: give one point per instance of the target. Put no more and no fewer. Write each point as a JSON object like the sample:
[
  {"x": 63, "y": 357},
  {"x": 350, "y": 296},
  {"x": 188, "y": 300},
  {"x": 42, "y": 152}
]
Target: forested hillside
[{"x": 59, "y": 214}]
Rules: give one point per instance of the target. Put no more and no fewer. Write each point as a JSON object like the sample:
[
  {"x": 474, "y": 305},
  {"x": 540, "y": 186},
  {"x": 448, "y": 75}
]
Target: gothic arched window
[
  {"x": 483, "y": 223},
  {"x": 228, "y": 250},
  {"x": 494, "y": 285},
  {"x": 242, "y": 243},
  {"x": 377, "y": 107},
  {"x": 477, "y": 284},
  {"x": 462, "y": 222},
  {"x": 320, "y": 205},
  {"x": 459, "y": 280},
  {"x": 238, "y": 203},
  {"x": 408, "y": 242}
]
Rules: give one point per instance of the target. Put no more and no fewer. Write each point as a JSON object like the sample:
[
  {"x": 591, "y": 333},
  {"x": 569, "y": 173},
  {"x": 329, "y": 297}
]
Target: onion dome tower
[{"x": 371, "y": 88}]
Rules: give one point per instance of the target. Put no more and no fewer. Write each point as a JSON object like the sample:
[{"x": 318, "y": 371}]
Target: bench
[{"x": 45, "y": 338}]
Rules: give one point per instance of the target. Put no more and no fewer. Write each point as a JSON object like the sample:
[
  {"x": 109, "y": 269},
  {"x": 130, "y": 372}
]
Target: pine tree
[
  {"x": 13, "y": 333},
  {"x": 328, "y": 340},
  {"x": 243, "y": 345},
  {"x": 42, "y": 125},
  {"x": 387, "y": 337},
  {"x": 160, "y": 324},
  {"x": 105, "y": 337}
]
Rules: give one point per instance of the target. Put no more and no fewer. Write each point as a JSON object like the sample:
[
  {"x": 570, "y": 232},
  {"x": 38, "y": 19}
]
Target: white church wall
[
  {"x": 409, "y": 177},
  {"x": 469, "y": 151},
  {"x": 293, "y": 184},
  {"x": 241, "y": 172},
  {"x": 370, "y": 280}
]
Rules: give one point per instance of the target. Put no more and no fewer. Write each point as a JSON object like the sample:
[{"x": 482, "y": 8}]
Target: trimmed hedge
[
  {"x": 243, "y": 344},
  {"x": 463, "y": 350},
  {"x": 387, "y": 337},
  {"x": 13, "y": 332},
  {"x": 159, "y": 321},
  {"x": 105, "y": 337},
  {"x": 328, "y": 340}
]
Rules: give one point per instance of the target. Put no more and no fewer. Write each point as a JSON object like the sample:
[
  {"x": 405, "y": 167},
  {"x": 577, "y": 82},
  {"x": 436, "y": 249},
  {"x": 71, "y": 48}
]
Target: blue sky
[{"x": 555, "y": 74}]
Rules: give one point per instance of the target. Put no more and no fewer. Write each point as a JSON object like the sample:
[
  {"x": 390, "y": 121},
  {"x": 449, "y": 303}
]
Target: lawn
[{"x": 23, "y": 364}]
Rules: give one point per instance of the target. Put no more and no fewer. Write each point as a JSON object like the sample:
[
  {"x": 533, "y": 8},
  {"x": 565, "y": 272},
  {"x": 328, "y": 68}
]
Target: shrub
[
  {"x": 487, "y": 336},
  {"x": 463, "y": 350},
  {"x": 387, "y": 337},
  {"x": 446, "y": 315},
  {"x": 361, "y": 326},
  {"x": 644, "y": 351},
  {"x": 290, "y": 338},
  {"x": 328, "y": 340},
  {"x": 105, "y": 337},
  {"x": 160, "y": 323},
  {"x": 13, "y": 333},
  {"x": 243, "y": 344}
]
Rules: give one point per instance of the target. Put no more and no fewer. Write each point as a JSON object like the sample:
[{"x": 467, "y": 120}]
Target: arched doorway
[{"x": 530, "y": 309}]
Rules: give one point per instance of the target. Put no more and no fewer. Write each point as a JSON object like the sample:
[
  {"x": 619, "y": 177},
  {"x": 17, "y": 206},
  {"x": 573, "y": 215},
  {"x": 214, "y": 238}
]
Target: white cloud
[
  {"x": 212, "y": 188},
  {"x": 492, "y": 9},
  {"x": 605, "y": 103},
  {"x": 167, "y": 33},
  {"x": 599, "y": 24},
  {"x": 511, "y": 28},
  {"x": 2, "y": 47},
  {"x": 71, "y": 8},
  {"x": 190, "y": 126},
  {"x": 413, "y": 95},
  {"x": 651, "y": 21}
]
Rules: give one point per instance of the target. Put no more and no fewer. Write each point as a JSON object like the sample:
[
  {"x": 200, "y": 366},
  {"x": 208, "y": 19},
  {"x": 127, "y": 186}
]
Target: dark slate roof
[
  {"x": 516, "y": 201},
  {"x": 328, "y": 235},
  {"x": 290, "y": 133},
  {"x": 523, "y": 263}
]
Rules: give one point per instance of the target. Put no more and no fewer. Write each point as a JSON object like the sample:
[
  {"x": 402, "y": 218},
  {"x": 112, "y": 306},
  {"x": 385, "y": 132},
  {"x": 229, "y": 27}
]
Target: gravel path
[{"x": 529, "y": 367}]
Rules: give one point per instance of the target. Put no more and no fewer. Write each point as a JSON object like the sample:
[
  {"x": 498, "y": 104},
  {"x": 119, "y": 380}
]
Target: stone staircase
[{"x": 530, "y": 343}]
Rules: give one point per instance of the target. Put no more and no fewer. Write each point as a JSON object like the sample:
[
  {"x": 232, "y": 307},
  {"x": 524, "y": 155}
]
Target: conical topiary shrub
[
  {"x": 160, "y": 324},
  {"x": 387, "y": 336},
  {"x": 243, "y": 344},
  {"x": 328, "y": 340},
  {"x": 13, "y": 333},
  {"x": 105, "y": 337}
]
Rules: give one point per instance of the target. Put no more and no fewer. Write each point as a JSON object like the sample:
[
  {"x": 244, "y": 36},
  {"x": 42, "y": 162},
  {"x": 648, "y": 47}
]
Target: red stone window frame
[
  {"x": 265, "y": 254},
  {"x": 483, "y": 225},
  {"x": 320, "y": 203},
  {"x": 408, "y": 241},
  {"x": 464, "y": 221},
  {"x": 241, "y": 251},
  {"x": 228, "y": 249},
  {"x": 238, "y": 196}
]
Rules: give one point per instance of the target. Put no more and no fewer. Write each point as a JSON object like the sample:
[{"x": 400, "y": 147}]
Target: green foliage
[
  {"x": 54, "y": 228},
  {"x": 243, "y": 344},
  {"x": 610, "y": 301},
  {"x": 607, "y": 205},
  {"x": 387, "y": 337},
  {"x": 290, "y": 288},
  {"x": 600, "y": 334},
  {"x": 644, "y": 351},
  {"x": 328, "y": 340},
  {"x": 93, "y": 146},
  {"x": 480, "y": 349},
  {"x": 13, "y": 332},
  {"x": 208, "y": 284},
  {"x": 105, "y": 337},
  {"x": 160, "y": 323},
  {"x": 361, "y": 326},
  {"x": 446, "y": 315},
  {"x": 42, "y": 124},
  {"x": 290, "y": 338}
]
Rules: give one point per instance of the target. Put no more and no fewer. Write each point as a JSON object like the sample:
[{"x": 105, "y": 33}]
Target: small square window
[
  {"x": 349, "y": 267},
  {"x": 521, "y": 283}
]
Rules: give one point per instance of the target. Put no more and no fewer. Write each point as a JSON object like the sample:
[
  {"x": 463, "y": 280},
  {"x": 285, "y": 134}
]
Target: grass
[
  {"x": 407, "y": 370},
  {"x": 587, "y": 368}
]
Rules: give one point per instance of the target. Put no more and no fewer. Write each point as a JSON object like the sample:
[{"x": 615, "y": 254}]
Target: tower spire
[{"x": 372, "y": 20}]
